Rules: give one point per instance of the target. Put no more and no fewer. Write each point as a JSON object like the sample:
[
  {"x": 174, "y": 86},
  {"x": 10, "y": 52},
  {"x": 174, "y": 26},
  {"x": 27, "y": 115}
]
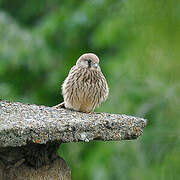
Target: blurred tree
[{"x": 138, "y": 45}]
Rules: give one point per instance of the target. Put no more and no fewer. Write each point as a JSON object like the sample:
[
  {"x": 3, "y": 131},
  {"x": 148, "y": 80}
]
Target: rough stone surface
[
  {"x": 21, "y": 124},
  {"x": 33, "y": 162},
  {"x": 57, "y": 170}
]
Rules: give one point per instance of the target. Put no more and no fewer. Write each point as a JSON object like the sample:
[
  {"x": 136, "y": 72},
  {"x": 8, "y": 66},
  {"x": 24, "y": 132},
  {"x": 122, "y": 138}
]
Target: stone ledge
[{"x": 22, "y": 124}]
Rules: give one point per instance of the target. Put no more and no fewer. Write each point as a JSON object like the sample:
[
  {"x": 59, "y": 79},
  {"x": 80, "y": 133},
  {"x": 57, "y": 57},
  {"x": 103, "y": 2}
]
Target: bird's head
[{"x": 89, "y": 61}]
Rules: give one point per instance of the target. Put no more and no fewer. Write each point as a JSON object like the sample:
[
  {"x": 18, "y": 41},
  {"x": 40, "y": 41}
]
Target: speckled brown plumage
[{"x": 85, "y": 86}]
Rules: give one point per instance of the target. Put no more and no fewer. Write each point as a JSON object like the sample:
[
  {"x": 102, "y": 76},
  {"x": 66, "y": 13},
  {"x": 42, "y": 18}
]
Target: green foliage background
[{"x": 138, "y": 42}]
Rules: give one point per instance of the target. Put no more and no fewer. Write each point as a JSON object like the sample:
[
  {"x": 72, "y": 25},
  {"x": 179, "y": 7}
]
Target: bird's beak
[{"x": 95, "y": 65}]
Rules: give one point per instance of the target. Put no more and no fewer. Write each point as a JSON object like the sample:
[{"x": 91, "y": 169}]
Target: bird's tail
[{"x": 61, "y": 105}]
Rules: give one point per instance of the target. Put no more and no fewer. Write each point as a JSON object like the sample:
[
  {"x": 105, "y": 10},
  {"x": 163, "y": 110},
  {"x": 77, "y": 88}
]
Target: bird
[{"x": 85, "y": 87}]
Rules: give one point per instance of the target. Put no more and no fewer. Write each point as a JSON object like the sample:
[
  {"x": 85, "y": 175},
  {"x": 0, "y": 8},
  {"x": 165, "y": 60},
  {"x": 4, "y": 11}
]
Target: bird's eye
[{"x": 88, "y": 61}]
